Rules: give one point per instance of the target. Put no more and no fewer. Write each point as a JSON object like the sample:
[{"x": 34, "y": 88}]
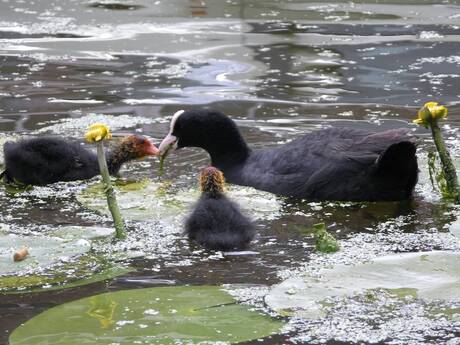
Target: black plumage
[
  {"x": 216, "y": 222},
  {"x": 45, "y": 160},
  {"x": 329, "y": 164}
]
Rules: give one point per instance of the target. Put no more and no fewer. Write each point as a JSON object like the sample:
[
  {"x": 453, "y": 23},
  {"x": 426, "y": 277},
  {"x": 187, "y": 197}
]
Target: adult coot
[
  {"x": 46, "y": 160},
  {"x": 216, "y": 222},
  {"x": 329, "y": 164}
]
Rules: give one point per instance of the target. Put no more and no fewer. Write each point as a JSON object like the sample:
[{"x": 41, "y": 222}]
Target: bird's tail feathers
[{"x": 399, "y": 163}]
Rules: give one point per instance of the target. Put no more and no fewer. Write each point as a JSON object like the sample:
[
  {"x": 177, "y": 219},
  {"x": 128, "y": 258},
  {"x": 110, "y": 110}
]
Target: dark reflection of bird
[
  {"x": 216, "y": 222},
  {"x": 41, "y": 161},
  {"x": 329, "y": 164}
]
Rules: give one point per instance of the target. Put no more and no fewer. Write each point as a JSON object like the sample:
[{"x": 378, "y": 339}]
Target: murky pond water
[{"x": 279, "y": 68}]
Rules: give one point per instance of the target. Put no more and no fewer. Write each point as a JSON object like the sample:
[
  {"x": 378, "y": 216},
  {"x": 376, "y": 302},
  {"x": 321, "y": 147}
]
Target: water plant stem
[
  {"x": 110, "y": 193},
  {"x": 448, "y": 168}
]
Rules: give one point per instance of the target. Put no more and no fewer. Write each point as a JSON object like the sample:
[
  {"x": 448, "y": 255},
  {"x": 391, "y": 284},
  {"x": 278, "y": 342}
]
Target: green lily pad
[
  {"x": 61, "y": 259},
  {"x": 162, "y": 315},
  {"x": 45, "y": 283},
  {"x": 150, "y": 200},
  {"x": 44, "y": 252},
  {"x": 429, "y": 276}
]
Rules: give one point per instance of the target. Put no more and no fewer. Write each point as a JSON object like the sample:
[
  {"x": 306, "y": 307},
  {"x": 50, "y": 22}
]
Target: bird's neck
[
  {"x": 226, "y": 155},
  {"x": 212, "y": 195},
  {"x": 116, "y": 157}
]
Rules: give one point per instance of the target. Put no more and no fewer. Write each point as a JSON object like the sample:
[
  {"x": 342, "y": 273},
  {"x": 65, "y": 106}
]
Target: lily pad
[
  {"x": 429, "y": 276},
  {"x": 155, "y": 200},
  {"x": 44, "y": 252},
  {"x": 61, "y": 259},
  {"x": 162, "y": 315},
  {"x": 454, "y": 228},
  {"x": 37, "y": 283}
]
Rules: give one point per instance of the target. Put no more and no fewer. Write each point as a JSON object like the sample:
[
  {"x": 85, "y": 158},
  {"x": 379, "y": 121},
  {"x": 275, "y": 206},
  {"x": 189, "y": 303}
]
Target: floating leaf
[
  {"x": 154, "y": 200},
  {"x": 162, "y": 315},
  {"x": 44, "y": 252},
  {"x": 37, "y": 283},
  {"x": 427, "y": 275},
  {"x": 58, "y": 260}
]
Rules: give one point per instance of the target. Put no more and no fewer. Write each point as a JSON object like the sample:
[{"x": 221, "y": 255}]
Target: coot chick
[
  {"x": 41, "y": 161},
  {"x": 329, "y": 164},
  {"x": 216, "y": 222}
]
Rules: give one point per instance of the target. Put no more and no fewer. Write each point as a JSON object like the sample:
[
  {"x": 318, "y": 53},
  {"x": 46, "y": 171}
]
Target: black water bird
[
  {"x": 329, "y": 164},
  {"x": 216, "y": 222},
  {"x": 45, "y": 160}
]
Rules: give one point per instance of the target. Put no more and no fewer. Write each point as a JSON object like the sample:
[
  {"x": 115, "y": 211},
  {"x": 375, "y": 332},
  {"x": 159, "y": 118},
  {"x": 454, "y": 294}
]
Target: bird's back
[
  {"x": 45, "y": 160},
  {"x": 217, "y": 223},
  {"x": 333, "y": 164}
]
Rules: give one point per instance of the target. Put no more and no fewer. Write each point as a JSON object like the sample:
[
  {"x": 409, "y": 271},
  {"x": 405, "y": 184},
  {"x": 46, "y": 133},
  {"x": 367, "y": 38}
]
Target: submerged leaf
[
  {"x": 162, "y": 315},
  {"x": 429, "y": 276},
  {"x": 57, "y": 261},
  {"x": 154, "y": 200}
]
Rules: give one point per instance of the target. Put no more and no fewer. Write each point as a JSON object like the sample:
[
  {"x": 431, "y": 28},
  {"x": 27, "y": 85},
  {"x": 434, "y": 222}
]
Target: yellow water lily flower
[
  {"x": 98, "y": 132},
  {"x": 431, "y": 111}
]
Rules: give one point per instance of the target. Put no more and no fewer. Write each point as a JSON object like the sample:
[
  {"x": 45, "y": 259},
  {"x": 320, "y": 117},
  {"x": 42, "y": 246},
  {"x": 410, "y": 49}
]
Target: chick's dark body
[
  {"x": 217, "y": 223},
  {"x": 42, "y": 161},
  {"x": 46, "y": 160}
]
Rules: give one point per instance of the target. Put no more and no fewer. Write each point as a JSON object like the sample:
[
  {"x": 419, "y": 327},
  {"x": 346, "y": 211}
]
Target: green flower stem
[
  {"x": 448, "y": 168},
  {"x": 110, "y": 193},
  {"x": 162, "y": 164}
]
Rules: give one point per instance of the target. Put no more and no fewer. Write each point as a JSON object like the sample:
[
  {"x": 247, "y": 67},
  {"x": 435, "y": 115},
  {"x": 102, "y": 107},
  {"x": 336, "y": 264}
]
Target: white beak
[{"x": 168, "y": 144}]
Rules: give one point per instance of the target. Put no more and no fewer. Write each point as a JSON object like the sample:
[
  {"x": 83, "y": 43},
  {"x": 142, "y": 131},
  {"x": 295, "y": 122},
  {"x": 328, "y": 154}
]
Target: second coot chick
[
  {"x": 41, "y": 161},
  {"x": 216, "y": 222}
]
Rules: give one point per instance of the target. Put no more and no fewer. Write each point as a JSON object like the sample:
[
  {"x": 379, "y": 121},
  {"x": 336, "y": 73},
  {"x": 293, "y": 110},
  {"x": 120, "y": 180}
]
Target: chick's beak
[
  {"x": 150, "y": 149},
  {"x": 168, "y": 144}
]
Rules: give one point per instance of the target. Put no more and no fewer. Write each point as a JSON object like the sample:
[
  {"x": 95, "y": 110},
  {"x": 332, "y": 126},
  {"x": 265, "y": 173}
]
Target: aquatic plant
[
  {"x": 428, "y": 116},
  {"x": 324, "y": 241},
  {"x": 96, "y": 134},
  {"x": 161, "y": 169},
  {"x": 159, "y": 315}
]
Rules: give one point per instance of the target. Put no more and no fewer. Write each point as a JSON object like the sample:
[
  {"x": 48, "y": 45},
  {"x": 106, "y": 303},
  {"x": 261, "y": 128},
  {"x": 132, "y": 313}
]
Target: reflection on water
[
  {"x": 280, "y": 68},
  {"x": 102, "y": 309}
]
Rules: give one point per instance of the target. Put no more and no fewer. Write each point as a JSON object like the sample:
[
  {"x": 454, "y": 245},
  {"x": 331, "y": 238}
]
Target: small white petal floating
[{"x": 426, "y": 275}]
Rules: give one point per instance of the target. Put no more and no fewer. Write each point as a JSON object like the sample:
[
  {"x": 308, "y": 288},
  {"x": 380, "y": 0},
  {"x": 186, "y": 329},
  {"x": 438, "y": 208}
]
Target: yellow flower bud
[
  {"x": 430, "y": 112},
  {"x": 98, "y": 132}
]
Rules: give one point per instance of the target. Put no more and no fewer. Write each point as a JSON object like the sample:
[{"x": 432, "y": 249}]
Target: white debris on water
[
  {"x": 77, "y": 126},
  {"x": 359, "y": 318},
  {"x": 386, "y": 238},
  {"x": 382, "y": 320}
]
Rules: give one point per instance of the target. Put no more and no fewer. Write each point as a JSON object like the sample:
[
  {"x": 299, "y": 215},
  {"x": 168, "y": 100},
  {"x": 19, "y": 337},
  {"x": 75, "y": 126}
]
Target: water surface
[{"x": 279, "y": 68}]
